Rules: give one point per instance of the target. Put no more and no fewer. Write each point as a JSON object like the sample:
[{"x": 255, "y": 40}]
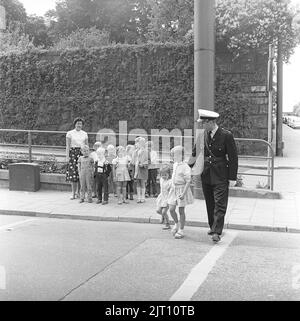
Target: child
[
  {"x": 86, "y": 173},
  {"x": 152, "y": 170},
  {"x": 180, "y": 193},
  {"x": 110, "y": 156},
  {"x": 94, "y": 156},
  {"x": 121, "y": 174},
  {"x": 162, "y": 199},
  {"x": 102, "y": 170},
  {"x": 129, "y": 188},
  {"x": 140, "y": 160}
]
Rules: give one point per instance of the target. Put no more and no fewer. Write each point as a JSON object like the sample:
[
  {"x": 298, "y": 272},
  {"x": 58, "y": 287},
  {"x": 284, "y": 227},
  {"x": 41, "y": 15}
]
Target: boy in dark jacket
[{"x": 102, "y": 171}]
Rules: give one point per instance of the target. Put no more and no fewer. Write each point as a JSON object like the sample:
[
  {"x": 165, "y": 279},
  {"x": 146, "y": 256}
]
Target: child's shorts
[{"x": 174, "y": 200}]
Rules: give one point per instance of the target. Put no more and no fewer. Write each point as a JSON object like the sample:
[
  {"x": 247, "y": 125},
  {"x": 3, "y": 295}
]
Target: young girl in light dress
[
  {"x": 180, "y": 193},
  {"x": 140, "y": 161},
  {"x": 121, "y": 174},
  {"x": 162, "y": 199}
]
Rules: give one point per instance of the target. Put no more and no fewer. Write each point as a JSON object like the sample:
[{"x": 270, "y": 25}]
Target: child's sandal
[
  {"x": 179, "y": 235},
  {"x": 174, "y": 230}
]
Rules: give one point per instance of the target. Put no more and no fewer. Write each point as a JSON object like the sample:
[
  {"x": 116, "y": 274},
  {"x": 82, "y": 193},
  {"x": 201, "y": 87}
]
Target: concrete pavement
[{"x": 243, "y": 213}]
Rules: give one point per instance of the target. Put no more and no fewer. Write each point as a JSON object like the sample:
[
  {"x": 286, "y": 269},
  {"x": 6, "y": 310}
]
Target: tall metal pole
[
  {"x": 204, "y": 56},
  {"x": 204, "y": 65},
  {"x": 270, "y": 106},
  {"x": 279, "y": 143}
]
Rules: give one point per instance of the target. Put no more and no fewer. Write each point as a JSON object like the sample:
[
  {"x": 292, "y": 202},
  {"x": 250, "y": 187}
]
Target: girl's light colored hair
[
  {"x": 85, "y": 147},
  {"x": 178, "y": 149},
  {"x": 165, "y": 169},
  {"x": 130, "y": 148},
  {"x": 110, "y": 147},
  {"x": 120, "y": 149},
  {"x": 100, "y": 150},
  {"x": 140, "y": 140},
  {"x": 97, "y": 144}
]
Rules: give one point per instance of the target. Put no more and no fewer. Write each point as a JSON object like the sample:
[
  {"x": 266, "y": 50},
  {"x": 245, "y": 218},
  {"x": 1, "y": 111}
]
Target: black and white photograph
[{"x": 149, "y": 153}]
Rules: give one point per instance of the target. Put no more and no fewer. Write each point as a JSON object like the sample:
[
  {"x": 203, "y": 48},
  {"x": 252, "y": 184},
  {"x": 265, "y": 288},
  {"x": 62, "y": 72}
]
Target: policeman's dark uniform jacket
[{"x": 220, "y": 166}]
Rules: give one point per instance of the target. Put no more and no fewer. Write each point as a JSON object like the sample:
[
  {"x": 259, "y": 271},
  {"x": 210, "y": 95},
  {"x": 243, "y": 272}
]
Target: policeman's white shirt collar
[{"x": 214, "y": 131}]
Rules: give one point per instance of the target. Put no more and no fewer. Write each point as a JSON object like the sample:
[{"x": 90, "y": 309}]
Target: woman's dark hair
[{"x": 77, "y": 119}]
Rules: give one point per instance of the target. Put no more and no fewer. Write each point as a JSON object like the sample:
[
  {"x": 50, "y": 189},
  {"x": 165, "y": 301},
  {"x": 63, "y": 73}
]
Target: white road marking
[
  {"x": 11, "y": 225},
  {"x": 200, "y": 272},
  {"x": 2, "y": 268}
]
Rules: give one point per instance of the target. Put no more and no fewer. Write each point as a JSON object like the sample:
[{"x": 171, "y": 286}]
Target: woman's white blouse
[{"x": 78, "y": 137}]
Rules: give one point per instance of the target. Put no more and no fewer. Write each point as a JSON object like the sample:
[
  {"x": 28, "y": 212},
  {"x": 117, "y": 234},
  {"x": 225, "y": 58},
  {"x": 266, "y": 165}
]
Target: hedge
[{"x": 149, "y": 86}]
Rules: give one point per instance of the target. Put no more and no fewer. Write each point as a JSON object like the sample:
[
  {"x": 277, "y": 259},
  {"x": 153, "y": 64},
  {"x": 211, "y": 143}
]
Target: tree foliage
[
  {"x": 240, "y": 24},
  {"x": 15, "y": 14},
  {"x": 296, "y": 109},
  {"x": 245, "y": 24},
  {"x": 83, "y": 39},
  {"x": 37, "y": 31},
  {"x": 15, "y": 41},
  {"x": 124, "y": 20},
  {"x": 170, "y": 20}
]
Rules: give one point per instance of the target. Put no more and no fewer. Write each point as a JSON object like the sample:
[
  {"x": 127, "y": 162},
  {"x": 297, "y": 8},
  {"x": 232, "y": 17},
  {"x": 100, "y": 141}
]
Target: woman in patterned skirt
[{"x": 75, "y": 139}]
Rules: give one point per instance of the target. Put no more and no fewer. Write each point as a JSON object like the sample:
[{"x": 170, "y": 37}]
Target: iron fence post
[{"x": 30, "y": 146}]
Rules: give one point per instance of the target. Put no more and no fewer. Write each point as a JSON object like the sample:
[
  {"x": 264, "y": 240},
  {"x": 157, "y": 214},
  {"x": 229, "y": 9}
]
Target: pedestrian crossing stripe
[{"x": 200, "y": 272}]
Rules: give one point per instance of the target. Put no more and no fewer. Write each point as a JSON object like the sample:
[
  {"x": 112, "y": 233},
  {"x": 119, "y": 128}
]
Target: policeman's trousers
[{"x": 216, "y": 199}]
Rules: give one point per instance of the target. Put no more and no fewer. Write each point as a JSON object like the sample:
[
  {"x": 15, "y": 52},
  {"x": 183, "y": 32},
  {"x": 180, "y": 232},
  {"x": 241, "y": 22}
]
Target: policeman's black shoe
[
  {"x": 210, "y": 232},
  {"x": 216, "y": 238}
]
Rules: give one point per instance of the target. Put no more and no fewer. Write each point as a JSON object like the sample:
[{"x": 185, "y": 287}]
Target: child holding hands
[
  {"x": 162, "y": 199},
  {"x": 180, "y": 193}
]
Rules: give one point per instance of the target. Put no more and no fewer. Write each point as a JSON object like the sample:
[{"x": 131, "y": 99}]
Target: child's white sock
[{"x": 143, "y": 191}]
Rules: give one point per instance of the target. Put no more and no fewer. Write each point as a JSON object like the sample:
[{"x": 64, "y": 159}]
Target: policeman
[{"x": 220, "y": 170}]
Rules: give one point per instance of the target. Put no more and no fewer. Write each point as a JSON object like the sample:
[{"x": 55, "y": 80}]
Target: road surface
[{"x": 52, "y": 259}]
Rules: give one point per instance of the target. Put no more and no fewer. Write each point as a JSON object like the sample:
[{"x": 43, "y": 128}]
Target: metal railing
[{"x": 269, "y": 158}]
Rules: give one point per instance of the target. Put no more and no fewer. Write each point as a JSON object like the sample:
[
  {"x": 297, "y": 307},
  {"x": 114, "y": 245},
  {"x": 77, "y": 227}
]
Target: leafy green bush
[
  {"x": 83, "y": 39},
  {"x": 149, "y": 86}
]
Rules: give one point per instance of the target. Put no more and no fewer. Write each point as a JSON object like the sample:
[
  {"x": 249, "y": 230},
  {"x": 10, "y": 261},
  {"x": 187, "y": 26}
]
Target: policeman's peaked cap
[{"x": 207, "y": 114}]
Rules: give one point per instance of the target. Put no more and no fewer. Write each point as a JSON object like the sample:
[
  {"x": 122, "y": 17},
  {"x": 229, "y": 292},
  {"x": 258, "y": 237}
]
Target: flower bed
[{"x": 46, "y": 166}]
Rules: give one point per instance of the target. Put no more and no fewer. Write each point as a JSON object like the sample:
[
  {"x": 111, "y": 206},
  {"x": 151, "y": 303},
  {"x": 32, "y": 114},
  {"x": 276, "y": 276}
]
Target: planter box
[{"x": 24, "y": 177}]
